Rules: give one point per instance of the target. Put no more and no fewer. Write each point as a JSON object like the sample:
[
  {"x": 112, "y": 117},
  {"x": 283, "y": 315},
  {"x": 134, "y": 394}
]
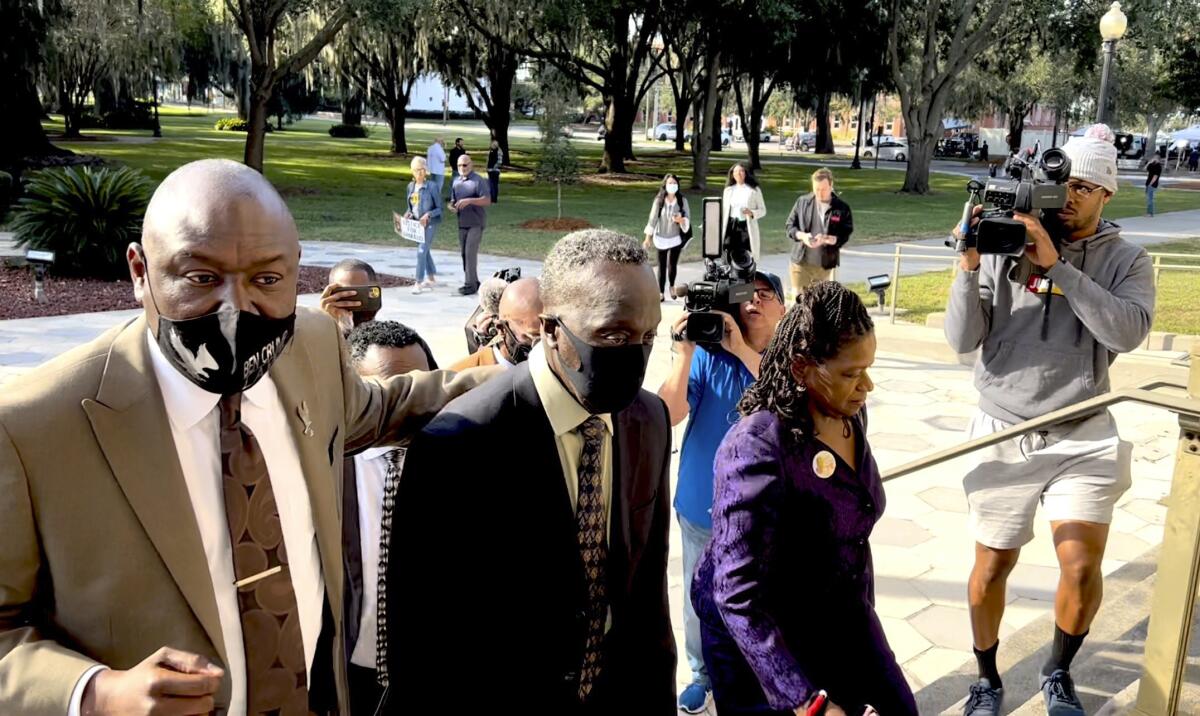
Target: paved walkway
[
  {"x": 1142, "y": 230},
  {"x": 922, "y": 549}
]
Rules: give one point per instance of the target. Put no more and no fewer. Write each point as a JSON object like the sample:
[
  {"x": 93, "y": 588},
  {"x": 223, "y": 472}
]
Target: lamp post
[{"x": 1112, "y": 28}]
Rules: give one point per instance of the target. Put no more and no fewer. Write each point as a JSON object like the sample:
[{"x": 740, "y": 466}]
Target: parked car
[
  {"x": 888, "y": 148},
  {"x": 665, "y": 132},
  {"x": 804, "y": 141}
]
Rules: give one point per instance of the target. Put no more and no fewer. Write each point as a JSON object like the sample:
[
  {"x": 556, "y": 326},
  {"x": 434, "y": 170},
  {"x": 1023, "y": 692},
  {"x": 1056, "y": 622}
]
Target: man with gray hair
[
  {"x": 562, "y": 568},
  {"x": 1049, "y": 323}
]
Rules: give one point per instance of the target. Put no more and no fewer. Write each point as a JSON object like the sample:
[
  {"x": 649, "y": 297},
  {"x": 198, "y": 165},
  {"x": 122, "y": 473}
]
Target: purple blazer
[{"x": 787, "y": 577}]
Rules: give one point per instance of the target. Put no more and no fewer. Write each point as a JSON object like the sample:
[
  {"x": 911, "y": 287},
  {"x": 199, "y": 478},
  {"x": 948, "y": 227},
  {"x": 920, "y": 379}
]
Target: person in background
[
  {"x": 424, "y": 205},
  {"x": 983, "y": 152},
  {"x": 455, "y": 152},
  {"x": 785, "y": 590},
  {"x": 481, "y": 324},
  {"x": 517, "y": 326},
  {"x": 436, "y": 156},
  {"x": 670, "y": 218},
  {"x": 469, "y": 199},
  {"x": 379, "y": 349},
  {"x": 341, "y": 304},
  {"x": 1194, "y": 158},
  {"x": 1153, "y": 174},
  {"x": 560, "y": 571},
  {"x": 705, "y": 385},
  {"x": 820, "y": 224},
  {"x": 742, "y": 206},
  {"x": 495, "y": 159}
]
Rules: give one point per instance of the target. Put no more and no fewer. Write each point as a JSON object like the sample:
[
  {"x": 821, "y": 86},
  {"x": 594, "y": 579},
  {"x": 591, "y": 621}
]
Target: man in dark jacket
[
  {"x": 554, "y": 572},
  {"x": 820, "y": 225}
]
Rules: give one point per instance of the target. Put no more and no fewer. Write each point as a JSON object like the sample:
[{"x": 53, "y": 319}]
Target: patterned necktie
[
  {"x": 276, "y": 681},
  {"x": 395, "y": 461},
  {"x": 590, "y": 524}
]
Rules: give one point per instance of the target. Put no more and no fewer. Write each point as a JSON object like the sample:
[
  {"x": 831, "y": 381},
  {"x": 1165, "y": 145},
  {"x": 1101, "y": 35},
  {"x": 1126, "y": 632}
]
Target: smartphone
[{"x": 371, "y": 298}]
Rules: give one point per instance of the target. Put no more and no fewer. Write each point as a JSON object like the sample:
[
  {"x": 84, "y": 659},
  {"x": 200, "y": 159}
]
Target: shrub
[
  {"x": 135, "y": 115},
  {"x": 87, "y": 217},
  {"x": 236, "y": 124},
  {"x": 348, "y": 131}
]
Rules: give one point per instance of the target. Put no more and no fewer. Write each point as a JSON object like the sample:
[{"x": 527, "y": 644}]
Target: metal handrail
[{"x": 1144, "y": 394}]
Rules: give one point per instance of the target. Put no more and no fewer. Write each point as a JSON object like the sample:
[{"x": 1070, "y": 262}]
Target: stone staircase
[{"x": 1106, "y": 670}]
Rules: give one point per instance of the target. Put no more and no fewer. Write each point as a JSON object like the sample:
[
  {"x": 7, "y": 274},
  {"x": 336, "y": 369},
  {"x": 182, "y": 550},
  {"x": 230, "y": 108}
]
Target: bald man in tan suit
[{"x": 170, "y": 492}]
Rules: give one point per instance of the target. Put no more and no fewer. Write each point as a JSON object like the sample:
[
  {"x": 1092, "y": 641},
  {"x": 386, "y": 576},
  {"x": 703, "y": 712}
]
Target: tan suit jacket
[
  {"x": 100, "y": 554},
  {"x": 484, "y": 356}
]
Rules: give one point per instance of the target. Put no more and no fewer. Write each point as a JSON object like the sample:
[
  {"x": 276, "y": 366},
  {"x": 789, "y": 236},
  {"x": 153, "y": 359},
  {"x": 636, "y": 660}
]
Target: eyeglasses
[
  {"x": 765, "y": 294},
  {"x": 1083, "y": 190}
]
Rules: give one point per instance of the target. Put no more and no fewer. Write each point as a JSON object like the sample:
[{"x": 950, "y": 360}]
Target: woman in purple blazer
[{"x": 785, "y": 591}]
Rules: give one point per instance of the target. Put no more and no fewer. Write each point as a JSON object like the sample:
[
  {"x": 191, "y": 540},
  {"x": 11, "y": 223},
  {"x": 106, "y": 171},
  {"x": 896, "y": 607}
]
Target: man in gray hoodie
[{"x": 1050, "y": 324}]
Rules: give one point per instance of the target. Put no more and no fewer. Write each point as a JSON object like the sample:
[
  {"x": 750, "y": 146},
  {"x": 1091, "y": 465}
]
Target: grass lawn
[
  {"x": 1176, "y": 309},
  {"x": 346, "y": 189}
]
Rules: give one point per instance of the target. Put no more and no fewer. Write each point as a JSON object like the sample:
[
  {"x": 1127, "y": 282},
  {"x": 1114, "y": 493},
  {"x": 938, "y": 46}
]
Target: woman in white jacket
[{"x": 742, "y": 201}]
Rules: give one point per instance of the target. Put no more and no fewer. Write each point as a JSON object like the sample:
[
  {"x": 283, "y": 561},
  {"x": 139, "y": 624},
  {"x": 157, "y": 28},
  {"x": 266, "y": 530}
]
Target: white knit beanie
[{"x": 1094, "y": 157}]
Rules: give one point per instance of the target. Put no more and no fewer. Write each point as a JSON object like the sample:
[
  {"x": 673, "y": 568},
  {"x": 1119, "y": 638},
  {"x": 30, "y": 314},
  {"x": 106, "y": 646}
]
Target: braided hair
[{"x": 825, "y": 318}]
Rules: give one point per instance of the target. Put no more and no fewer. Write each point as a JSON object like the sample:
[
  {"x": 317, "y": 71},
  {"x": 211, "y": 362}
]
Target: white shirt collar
[
  {"x": 500, "y": 359},
  {"x": 376, "y": 452},
  {"x": 187, "y": 403}
]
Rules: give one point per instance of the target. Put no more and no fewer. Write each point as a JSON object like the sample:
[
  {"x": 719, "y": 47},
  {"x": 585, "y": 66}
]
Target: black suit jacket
[
  {"x": 803, "y": 218},
  {"x": 352, "y": 559},
  {"x": 486, "y": 591}
]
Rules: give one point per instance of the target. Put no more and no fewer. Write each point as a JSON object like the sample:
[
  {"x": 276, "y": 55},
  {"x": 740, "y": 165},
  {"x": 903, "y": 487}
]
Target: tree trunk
[
  {"x": 1016, "y": 128},
  {"x": 1057, "y": 121},
  {"x": 824, "y": 140},
  {"x": 500, "y": 87},
  {"x": 396, "y": 117},
  {"x": 717, "y": 123},
  {"x": 558, "y": 187},
  {"x": 256, "y": 131},
  {"x": 352, "y": 108},
  {"x": 618, "y": 140},
  {"x": 704, "y": 116},
  {"x": 683, "y": 102},
  {"x": 1153, "y": 122}
]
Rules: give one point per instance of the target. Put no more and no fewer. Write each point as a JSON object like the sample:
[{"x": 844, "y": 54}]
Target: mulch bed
[
  {"x": 609, "y": 179},
  {"x": 86, "y": 295},
  {"x": 563, "y": 224}
]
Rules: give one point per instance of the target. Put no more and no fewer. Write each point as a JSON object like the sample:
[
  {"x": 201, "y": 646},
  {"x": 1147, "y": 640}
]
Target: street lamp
[{"x": 1112, "y": 28}]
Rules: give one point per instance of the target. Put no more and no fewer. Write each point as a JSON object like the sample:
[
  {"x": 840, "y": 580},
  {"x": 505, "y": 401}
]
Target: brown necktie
[
  {"x": 591, "y": 528},
  {"x": 276, "y": 680}
]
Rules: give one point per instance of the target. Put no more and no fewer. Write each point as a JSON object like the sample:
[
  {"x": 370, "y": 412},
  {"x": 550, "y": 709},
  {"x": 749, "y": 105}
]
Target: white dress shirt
[
  {"x": 500, "y": 359},
  {"x": 370, "y": 475},
  {"x": 195, "y": 426},
  {"x": 435, "y": 159}
]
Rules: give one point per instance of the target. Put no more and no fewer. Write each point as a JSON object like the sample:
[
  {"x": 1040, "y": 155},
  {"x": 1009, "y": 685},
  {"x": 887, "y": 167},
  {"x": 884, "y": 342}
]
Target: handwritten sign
[{"x": 409, "y": 229}]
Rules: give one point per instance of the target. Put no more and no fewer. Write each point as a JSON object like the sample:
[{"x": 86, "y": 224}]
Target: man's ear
[
  {"x": 136, "y": 258},
  {"x": 549, "y": 325}
]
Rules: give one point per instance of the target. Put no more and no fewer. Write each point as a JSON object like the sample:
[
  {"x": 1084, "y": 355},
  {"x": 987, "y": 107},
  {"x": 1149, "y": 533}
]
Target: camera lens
[{"x": 1056, "y": 165}]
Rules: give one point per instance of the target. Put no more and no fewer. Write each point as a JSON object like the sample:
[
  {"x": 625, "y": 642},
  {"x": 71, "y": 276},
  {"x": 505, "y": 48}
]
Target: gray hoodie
[{"x": 1106, "y": 308}]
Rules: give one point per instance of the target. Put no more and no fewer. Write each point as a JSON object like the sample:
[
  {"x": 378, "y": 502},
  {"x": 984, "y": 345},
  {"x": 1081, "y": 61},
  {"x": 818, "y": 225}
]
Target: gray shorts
[{"x": 1077, "y": 471}]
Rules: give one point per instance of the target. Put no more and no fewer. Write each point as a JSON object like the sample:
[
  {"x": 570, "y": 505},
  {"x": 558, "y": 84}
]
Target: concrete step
[{"x": 1108, "y": 662}]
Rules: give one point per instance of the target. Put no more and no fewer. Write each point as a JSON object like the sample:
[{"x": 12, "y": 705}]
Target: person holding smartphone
[
  {"x": 668, "y": 228},
  {"x": 785, "y": 590},
  {"x": 348, "y": 298},
  {"x": 820, "y": 224}
]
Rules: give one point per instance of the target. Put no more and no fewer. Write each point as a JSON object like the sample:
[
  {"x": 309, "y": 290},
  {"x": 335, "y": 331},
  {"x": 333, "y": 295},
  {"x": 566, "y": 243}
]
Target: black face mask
[
  {"x": 226, "y": 351},
  {"x": 609, "y": 377},
  {"x": 518, "y": 352}
]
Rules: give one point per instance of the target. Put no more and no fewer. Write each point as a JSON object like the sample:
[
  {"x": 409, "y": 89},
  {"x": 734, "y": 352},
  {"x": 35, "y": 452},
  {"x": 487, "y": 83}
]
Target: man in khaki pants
[{"x": 820, "y": 224}]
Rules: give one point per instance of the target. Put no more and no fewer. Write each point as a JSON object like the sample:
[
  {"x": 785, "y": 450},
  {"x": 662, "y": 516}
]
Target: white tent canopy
[{"x": 1191, "y": 134}]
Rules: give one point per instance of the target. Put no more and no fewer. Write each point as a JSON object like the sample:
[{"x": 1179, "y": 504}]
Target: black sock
[
  {"x": 987, "y": 665},
  {"x": 1065, "y": 647}
]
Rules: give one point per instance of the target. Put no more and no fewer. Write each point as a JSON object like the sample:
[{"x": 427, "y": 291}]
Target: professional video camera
[
  {"x": 1030, "y": 188},
  {"x": 728, "y": 277}
]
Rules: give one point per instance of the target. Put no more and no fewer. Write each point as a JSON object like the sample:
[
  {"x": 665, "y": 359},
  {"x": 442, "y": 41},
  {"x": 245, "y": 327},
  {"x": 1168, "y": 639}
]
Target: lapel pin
[
  {"x": 302, "y": 411},
  {"x": 824, "y": 464}
]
